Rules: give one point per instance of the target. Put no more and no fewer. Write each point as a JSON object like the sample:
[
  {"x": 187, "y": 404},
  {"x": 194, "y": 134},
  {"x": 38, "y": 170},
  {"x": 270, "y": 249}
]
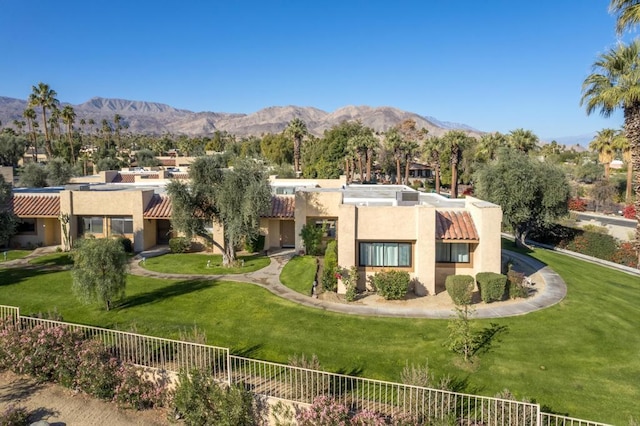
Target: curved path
[{"x": 553, "y": 292}]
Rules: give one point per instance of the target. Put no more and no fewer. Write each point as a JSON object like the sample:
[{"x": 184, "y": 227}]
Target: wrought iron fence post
[
  {"x": 229, "y": 366},
  {"x": 539, "y": 415}
]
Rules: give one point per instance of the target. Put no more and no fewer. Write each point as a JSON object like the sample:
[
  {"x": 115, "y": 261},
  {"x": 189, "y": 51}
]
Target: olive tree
[
  {"x": 99, "y": 270},
  {"x": 8, "y": 220},
  {"x": 232, "y": 198},
  {"x": 532, "y": 194}
]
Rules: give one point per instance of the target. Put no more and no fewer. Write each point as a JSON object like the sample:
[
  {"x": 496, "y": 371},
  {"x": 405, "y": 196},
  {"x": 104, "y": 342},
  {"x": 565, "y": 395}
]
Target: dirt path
[{"x": 61, "y": 406}]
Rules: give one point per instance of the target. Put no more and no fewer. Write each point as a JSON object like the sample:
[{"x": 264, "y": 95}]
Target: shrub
[
  {"x": 312, "y": 238},
  {"x": 516, "y": 284},
  {"x": 577, "y": 204},
  {"x": 626, "y": 255},
  {"x": 460, "y": 288},
  {"x": 127, "y": 245},
  {"x": 594, "y": 244},
  {"x": 14, "y": 416},
  {"x": 179, "y": 244},
  {"x": 350, "y": 281},
  {"x": 491, "y": 286},
  {"x": 254, "y": 245},
  {"x": 330, "y": 271},
  {"x": 135, "y": 392},
  {"x": 629, "y": 211},
  {"x": 325, "y": 411},
  {"x": 392, "y": 285},
  {"x": 97, "y": 373},
  {"x": 199, "y": 400}
]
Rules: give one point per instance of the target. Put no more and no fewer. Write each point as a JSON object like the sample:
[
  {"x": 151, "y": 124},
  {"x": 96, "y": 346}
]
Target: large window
[
  {"x": 121, "y": 225},
  {"x": 27, "y": 226},
  {"x": 385, "y": 254},
  {"x": 91, "y": 225},
  {"x": 452, "y": 252}
]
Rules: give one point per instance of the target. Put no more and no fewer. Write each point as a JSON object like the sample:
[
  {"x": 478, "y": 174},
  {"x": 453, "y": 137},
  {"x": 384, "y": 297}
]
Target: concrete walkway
[{"x": 269, "y": 278}]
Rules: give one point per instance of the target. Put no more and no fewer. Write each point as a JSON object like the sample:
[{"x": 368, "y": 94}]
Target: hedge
[
  {"x": 329, "y": 279},
  {"x": 254, "y": 245},
  {"x": 491, "y": 286},
  {"x": 460, "y": 288}
]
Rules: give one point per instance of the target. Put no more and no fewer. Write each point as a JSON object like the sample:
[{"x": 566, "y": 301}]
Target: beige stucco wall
[
  {"x": 107, "y": 204},
  {"x": 270, "y": 228},
  {"x": 315, "y": 204},
  {"x": 320, "y": 183},
  {"x": 488, "y": 220}
]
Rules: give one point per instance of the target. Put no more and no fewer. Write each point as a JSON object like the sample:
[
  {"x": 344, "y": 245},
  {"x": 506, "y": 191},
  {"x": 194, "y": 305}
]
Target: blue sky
[{"x": 495, "y": 65}]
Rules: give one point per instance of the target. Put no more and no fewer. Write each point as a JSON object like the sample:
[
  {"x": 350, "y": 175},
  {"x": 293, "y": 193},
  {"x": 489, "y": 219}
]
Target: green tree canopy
[
  {"x": 99, "y": 270},
  {"x": 59, "y": 172},
  {"x": 146, "y": 158},
  {"x": 532, "y": 194},
  {"x": 33, "y": 175},
  {"x": 11, "y": 149},
  {"x": 232, "y": 198},
  {"x": 8, "y": 220}
]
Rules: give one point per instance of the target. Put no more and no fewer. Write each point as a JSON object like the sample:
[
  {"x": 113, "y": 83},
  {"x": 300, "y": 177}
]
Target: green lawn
[
  {"x": 53, "y": 259},
  {"x": 298, "y": 274},
  {"x": 579, "y": 357},
  {"x": 13, "y": 254},
  {"x": 195, "y": 263}
]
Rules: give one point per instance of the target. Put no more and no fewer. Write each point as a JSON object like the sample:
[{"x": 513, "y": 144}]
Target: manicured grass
[
  {"x": 13, "y": 254},
  {"x": 579, "y": 357},
  {"x": 195, "y": 263},
  {"x": 53, "y": 259},
  {"x": 298, "y": 274}
]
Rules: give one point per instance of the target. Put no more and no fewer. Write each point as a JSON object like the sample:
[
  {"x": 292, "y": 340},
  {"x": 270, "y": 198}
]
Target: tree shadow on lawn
[
  {"x": 179, "y": 288},
  {"x": 16, "y": 275}
]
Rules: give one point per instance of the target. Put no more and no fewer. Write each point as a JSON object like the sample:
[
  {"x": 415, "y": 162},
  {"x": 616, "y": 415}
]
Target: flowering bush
[
  {"x": 629, "y": 211},
  {"x": 134, "y": 391},
  {"x": 14, "y": 416},
  {"x": 325, "y": 411},
  {"x": 577, "y": 204},
  {"x": 97, "y": 370},
  {"x": 368, "y": 418},
  {"x": 626, "y": 255}
]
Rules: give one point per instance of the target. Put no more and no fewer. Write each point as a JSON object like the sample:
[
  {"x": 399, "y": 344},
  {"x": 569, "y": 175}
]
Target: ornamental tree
[
  {"x": 532, "y": 194},
  {"x": 99, "y": 270},
  {"x": 232, "y": 198}
]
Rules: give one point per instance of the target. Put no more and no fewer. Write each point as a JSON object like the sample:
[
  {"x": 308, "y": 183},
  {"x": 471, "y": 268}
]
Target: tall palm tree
[
  {"x": 522, "y": 140},
  {"x": 603, "y": 144},
  {"x": 628, "y": 13},
  {"x": 432, "y": 150},
  {"x": 411, "y": 138},
  {"x": 615, "y": 84},
  {"x": 297, "y": 130},
  {"x": 69, "y": 117},
  {"x": 29, "y": 114},
  {"x": 489, "y": 145},
  {"x": 622, "y": 144},
  {"x": 44, "y": 97},
  {"x": 394, "y": 144},
  {"x": 455, "y": 141},
  {"x": 117, "y": 121}
]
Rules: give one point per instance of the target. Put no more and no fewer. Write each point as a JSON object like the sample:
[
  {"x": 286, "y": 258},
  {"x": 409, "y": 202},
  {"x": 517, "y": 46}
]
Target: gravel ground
[{"x": 61, "y": 406}]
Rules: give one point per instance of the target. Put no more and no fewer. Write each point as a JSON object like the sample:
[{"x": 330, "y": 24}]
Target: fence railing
[
  {"x": 303, "y": 385},
  {"x": 148, "y": 351}
]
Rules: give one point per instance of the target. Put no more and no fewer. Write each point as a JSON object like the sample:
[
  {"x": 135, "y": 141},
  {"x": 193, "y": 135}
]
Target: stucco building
[{"x": 377, "y": 227}]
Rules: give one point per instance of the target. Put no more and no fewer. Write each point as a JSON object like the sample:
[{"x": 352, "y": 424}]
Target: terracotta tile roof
[
  {"x": 455, "y": 225},
  {"x": 35, "y": 205},
  {"x": 158, "y": 208},
  {"x": 282, "y": 206},
  {"x": 168, "y": 162}
]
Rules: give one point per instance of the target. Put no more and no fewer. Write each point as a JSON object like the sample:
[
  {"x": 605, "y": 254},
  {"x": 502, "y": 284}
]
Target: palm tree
[
  {"x": 615, "y": 84},
  {"x": 489, "y": 145},
  {"x": 432, "y": 149},
  {"x": 411, "y": 137},
  {"x": 522, "y": 140},
  {"x": 622, "y": 144},
  {"x": 603, "y": 144},
  {"x": 455, "y": 141},
  {"x": 69, "y": 117},
  {"x": 44, "y": 97},
  {"x": 394, "y": 143},
  {"x": 628, "y": 12},
  {"x": 30, "y": 115},
  {"x": 117, "y": 120},
  {"x": 297, "y": 130}
]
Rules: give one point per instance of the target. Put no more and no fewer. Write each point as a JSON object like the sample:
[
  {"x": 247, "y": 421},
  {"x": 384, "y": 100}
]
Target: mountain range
[{"x": 155, "y": 118}]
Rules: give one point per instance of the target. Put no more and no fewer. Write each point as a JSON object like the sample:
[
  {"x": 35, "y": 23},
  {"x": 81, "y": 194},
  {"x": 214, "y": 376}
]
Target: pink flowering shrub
[
  {"x": 368, "y": 418},
  {"x": 97, "y": 370},
  {"x": 134, "y": 391},
  {"x": 325, "y": 411}
]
